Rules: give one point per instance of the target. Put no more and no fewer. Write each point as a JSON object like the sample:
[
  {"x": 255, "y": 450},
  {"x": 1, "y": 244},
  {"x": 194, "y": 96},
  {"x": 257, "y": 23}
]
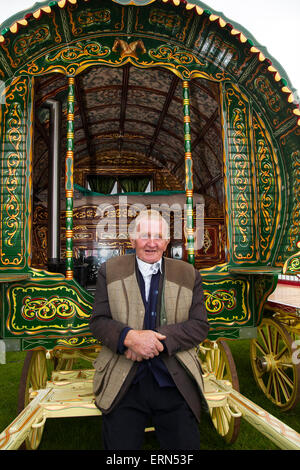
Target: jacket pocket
[{"x": 101, "y": 365}]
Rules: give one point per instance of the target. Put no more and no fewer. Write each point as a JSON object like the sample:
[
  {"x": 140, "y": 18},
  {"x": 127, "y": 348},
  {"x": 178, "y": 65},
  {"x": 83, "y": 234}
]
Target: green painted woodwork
[
  {"x": 261, "y": 156},
  {"x": 268, "y": 185},
  {"x": 235, "y": 302},
  {"x": 189, "y": 186},
  {"x": 15, "y": 183},
  {"x": 39, "y": 308},
  {"x": 69, "y": 163},
  {"x": 242, "y": 220},
  {"x": 61, "y": 308}
]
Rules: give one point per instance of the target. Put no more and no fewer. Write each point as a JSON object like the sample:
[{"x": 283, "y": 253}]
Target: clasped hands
[{"x": 143, "y": 344}]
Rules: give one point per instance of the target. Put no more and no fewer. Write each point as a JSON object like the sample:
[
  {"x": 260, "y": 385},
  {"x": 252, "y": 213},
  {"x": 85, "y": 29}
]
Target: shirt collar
[{"x": 147, "y": 269}]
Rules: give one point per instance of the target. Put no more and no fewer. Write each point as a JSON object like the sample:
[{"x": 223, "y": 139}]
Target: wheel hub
[{"x": 265, "y": 363}]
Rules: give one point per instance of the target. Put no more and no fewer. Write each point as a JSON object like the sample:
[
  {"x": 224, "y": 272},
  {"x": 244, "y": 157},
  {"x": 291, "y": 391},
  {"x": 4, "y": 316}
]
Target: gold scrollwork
[
  {"x": 241, "y": 177},
  {"x": 292, "y": 265},
  {"x": 36, "y": 36},
  {"x": 44, "y": 309},
  {"x": 216, "y": 301},
  {"x": 10, "y": 200},
  {"x": 78, "y": 341},
  {"x": 174, "y": 54},
  {"x": 269, "y": 200},
  {"x": 159, "y": 17},
  {"x": 79, "y": 50},
  {"x": 242, "y": 195},
  {"x": 207, "y": 243},
  {"x": 89, "y": 17},
  {"x": 12, "y": 206},
  {"x": 263, "y": 85},
  {"x": 294, "y": 229}
]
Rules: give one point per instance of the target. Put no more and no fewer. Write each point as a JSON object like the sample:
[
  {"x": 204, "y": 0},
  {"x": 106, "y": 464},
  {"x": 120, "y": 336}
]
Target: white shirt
[{"x": 147, "y": 269}]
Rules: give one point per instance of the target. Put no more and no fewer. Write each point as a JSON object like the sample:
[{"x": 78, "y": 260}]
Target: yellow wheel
[
  {"x": 35, "y": 373},
  {"x": 34, "y": 377},
  {"x": 275, "y": 372},
  {"x": 216, "y": 358}
]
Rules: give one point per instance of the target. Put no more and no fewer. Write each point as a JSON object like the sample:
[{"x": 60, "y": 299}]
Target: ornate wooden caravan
[{"x": 111, "y": 103}]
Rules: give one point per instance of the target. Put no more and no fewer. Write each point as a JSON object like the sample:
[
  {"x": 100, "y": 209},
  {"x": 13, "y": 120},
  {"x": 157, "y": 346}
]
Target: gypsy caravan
[{"x": 108, "y": 105}]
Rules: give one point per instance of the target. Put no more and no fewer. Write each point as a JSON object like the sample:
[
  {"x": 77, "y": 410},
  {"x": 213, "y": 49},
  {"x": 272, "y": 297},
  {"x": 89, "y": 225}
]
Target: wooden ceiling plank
[
  {"x": 42, "y": 131},
  {"x": 205, "y": 128},
  {"x": 78, "y": 97},
  {"x": 163, "y": 113},
  {"x": 198, "y": 139},
  {"x": 124, "y": 96},
  {"x": 213, "y": 181}
]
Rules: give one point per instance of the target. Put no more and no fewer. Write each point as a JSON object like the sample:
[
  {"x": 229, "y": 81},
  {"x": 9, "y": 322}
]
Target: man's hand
[
  {"x": 129, "y": 354},
  {"x": 143, "y": 344}
]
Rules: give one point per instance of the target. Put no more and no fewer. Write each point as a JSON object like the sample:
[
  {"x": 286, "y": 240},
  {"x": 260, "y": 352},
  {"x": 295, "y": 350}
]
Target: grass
[{"x": 85, "y": 433}]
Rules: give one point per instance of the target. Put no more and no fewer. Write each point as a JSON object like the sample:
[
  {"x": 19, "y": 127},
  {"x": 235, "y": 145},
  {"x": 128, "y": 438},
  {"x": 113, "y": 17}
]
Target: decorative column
[
  {"x": 189, "y": 223},
  {"x": 69, "y": 180}
]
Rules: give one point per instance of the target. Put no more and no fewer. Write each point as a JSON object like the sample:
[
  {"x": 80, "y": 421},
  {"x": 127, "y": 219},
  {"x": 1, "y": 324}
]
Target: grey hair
[{"x": 150, "y": 214}]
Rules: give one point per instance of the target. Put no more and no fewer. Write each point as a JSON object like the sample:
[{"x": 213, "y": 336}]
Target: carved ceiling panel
[{"x": 128, "y": 109}]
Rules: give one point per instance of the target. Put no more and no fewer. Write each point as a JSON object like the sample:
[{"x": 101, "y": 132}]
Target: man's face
[{"x": 149, "y": 243}]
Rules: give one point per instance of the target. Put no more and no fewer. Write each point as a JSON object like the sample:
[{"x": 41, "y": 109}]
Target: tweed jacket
[{"x": 181, "y": 316}]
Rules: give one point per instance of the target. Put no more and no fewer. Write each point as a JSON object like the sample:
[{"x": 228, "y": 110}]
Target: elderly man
[{"x": 149, "y": 314}]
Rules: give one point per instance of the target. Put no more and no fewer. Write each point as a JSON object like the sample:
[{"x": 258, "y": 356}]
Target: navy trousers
[{"x": 146, "y": 403}]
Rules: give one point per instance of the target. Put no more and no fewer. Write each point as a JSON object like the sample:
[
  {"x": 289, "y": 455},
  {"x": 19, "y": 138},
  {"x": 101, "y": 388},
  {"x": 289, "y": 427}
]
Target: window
[{"x": 119, "y": 184}]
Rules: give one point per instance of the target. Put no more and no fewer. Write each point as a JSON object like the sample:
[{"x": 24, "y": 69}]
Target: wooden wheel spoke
[
  {"x": 270, "y": 339},
  {"x": 34, "y": 377},
  {"x": 284, "y": 350},
  {"x": 220, "y": 421},
  {"x": 260, "y": 348},
  {"x": 282, "y": 387},
  {"x": 276, "y": 388},
  {"x": 265, "y": 348},
  {"x": 224, "y": 420},
  {"x": 219, "y": 361},
  {"x": 277, "y": 341},
  {"x": 274, "y": 371},
  {"x": 220, "y": 372},
  {"x": 284, "y": 379},
  {"x": 286, "y": 365},
  {"x": 216, "y": 361},
  {"x": 270, "y": 384},
  {"x": 209, "y": 362}
]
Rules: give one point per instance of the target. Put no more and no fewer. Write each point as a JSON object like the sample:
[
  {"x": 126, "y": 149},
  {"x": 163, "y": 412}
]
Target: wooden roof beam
[
  {"x": 42, "y": 131},
  {"x": 78, "y": 97},
  {"x": 213, "y": 181},
  {"x": 124, "y": 95},
  {"x": 199, "y": 137},
  {"x": 205, "y": 128},
  {"x": 163, "y": 113}
]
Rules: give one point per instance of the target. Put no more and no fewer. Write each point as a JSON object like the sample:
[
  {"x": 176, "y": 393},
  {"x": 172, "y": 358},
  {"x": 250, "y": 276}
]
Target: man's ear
[{"x": 132, "y": 241}]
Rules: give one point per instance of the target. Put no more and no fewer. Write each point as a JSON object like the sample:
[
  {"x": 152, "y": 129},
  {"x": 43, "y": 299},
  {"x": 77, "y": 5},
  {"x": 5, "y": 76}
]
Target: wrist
[{"x": 128, "y": 338}]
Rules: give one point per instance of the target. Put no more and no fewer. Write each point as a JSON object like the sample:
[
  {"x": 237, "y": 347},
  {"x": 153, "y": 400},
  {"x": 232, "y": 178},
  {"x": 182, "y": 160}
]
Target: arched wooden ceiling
[{"x": 129, "y": 110}]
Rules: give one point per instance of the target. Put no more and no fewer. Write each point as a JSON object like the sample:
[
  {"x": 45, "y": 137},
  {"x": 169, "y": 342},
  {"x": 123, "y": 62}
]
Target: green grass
[{"x": 85, "y": 433}]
